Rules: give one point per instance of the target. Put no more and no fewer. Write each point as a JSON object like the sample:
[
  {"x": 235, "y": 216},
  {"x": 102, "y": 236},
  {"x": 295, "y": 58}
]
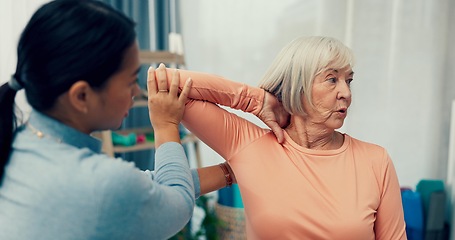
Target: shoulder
[
  {"x": 374, "y": 155},
  {"x": 371, "y": 154},
  {"x": 113, "y": 175},
  {"x": 373, "y": 150},
  {"x": 376, "y": 160},
  {"x": 80, "y": 169}
]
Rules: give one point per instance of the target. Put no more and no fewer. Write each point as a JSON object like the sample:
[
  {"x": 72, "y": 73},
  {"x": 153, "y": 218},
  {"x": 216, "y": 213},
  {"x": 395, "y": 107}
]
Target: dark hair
[{"x": 64, "y": 41}]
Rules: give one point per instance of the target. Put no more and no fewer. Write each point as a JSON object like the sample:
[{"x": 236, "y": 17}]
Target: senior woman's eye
[{"x": 332, "y": 80}]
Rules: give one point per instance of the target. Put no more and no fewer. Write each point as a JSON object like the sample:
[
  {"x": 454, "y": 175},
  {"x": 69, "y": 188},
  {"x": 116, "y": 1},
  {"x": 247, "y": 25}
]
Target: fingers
[
  {"x": 277, "y": 130},
  {"x": 151, "y": 83},
  {"x": 162, "y": 78},
  {"x": 174, "y": 88},
  {"x": 157, "y": 83},
  {"x": 186, "y": 90},
  {"x": 279, "y": 135}
]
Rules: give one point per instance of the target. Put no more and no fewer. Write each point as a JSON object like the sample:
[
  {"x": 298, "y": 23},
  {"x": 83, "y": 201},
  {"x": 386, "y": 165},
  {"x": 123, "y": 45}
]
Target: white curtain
[{"x": 403, "y": 81}]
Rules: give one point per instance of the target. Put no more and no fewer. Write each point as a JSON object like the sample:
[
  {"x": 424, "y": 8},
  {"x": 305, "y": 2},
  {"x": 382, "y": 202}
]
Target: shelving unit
[
  {"x": 147, "y": 57},
  {"x": 150, "y": 57}
]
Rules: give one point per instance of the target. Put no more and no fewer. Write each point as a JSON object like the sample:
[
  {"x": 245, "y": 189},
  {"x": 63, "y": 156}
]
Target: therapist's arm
[{"x": 213, "y": 178}]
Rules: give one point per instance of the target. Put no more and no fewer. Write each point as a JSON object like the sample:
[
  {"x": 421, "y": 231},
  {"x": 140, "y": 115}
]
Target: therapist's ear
[{"x": 79, "y": 95}]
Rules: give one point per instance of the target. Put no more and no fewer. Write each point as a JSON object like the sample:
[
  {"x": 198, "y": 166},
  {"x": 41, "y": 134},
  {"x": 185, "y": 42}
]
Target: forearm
[
  {"x": 168, "y": 194},
  {"x": 219, "y": 90},
  {"x": 168, "y": 134},
  {"x": 211, "y": 179},
  {"x": 172, "y": 167},
  {"x": 214, "y": 177}
]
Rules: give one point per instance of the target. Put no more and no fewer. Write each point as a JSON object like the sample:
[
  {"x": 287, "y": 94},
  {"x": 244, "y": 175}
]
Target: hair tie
[{"x": 14, "y": 84}]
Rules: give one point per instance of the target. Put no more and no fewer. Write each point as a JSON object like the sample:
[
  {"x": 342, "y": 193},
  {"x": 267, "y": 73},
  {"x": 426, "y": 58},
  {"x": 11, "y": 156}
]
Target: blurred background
[
  {"x": 404, "y": 79},
  {"x": 404, "y": 84}
]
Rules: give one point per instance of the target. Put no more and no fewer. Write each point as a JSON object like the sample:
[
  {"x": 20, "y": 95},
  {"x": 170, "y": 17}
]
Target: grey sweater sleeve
[{"x": 153, "y": 205}]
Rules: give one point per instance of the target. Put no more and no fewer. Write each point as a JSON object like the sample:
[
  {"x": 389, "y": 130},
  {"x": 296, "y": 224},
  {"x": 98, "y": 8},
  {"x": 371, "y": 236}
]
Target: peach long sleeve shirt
[{"x": 292, "y": 192}]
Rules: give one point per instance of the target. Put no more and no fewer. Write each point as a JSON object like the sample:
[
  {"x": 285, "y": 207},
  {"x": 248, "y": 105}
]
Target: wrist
[
  {"x": 166, "y": 134},
  {"x": 227, "y": 174}
]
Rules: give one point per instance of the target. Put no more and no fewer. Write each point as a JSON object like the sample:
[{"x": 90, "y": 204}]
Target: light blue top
[{"x": 70, "y": 190}]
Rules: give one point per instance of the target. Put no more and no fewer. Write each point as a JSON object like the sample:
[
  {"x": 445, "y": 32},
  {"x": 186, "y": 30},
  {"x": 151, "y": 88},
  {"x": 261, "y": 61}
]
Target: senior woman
[{"x": 310, "y": 181}]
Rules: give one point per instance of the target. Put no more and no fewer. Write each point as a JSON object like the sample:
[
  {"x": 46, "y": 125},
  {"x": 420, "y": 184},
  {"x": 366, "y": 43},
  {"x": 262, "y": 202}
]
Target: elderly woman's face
[{"x": 331, "y": 96}]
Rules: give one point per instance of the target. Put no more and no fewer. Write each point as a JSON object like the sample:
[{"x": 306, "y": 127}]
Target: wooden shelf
[
  {"x": 148, "y": 57},
  {"x": 138, "y": 131},
  {"x": 150, "y": 145},
  {"x": 140, "y": 103}
]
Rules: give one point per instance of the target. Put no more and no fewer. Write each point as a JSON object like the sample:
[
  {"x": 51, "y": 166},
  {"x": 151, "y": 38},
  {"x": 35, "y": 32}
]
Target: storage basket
[{"x": 233, "y": 222}]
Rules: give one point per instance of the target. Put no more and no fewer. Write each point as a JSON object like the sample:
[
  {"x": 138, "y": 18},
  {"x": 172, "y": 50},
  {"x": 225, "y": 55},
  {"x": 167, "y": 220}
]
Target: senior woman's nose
[{"x": 344, "y": 90}]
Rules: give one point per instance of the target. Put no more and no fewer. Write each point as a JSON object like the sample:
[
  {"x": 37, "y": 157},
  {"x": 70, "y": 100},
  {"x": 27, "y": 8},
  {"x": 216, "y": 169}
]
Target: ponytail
[{"x": 8, "y": 123}]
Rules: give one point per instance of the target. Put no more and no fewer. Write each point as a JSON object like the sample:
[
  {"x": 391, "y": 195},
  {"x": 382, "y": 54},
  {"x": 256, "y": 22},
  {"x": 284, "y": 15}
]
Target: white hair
[{"x": 292, "y": 72}]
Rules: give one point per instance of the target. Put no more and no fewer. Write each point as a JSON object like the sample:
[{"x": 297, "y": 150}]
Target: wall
[
  {"x": 14, "y": 15},
  {"x": 403, "y": 83},
  {"x": 400, "y": 95}
]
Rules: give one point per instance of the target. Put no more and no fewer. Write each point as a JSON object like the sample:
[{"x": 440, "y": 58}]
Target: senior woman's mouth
[{"x": 342, "y": 112}]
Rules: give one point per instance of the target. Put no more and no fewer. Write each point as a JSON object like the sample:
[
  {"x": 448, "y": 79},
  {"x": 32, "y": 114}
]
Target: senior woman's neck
[{"x": 314, "y": 136}]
